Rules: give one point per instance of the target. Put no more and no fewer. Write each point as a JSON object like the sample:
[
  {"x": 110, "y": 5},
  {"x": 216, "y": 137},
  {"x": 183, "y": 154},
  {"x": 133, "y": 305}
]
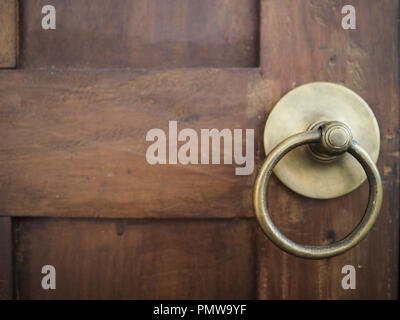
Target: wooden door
[{"x": 77, "y": 193}]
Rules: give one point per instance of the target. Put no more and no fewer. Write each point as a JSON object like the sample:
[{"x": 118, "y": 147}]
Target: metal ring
[{"x": 325, "y": 251}]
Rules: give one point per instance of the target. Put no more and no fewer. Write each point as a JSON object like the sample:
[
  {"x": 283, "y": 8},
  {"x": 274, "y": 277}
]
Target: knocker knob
[{"x": 336, "y": 138}]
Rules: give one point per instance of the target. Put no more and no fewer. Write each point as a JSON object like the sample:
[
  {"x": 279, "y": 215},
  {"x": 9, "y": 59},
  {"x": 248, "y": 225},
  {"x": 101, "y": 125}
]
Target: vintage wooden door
[{"x": 77, "y": 193}]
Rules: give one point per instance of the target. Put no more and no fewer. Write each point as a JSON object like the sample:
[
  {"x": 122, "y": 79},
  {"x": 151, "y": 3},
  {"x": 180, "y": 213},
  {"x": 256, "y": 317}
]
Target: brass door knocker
[{"x": 334, "y": 137}]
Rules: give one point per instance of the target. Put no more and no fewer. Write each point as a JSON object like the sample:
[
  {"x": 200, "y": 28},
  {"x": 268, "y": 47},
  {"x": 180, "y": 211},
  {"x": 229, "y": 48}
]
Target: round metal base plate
[{"x": 299, "y": 170}]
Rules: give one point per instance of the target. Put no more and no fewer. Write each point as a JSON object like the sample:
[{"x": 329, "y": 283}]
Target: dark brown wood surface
[
  {"x": 8, "y": 59},
  {"x": 8, "y": 33},
  {"x": 73, "y": 146},
  {"x": 119, "y": 259},
  {"x": 6, "y": 259},
  {"x": 87, "y": 156},
  {"x": 141, "y": 34}
]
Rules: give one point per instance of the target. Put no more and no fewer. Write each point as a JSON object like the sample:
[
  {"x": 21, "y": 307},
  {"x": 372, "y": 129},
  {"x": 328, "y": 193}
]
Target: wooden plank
[
  {"x": 74, "y": 143},
  {"x": 366, "y": 61},
  {"x": 111, "y": 259},
  {"x": 141, "y": 34},
  {"x": 6, "y": 260},
  {"x": 8, "y": 33}
]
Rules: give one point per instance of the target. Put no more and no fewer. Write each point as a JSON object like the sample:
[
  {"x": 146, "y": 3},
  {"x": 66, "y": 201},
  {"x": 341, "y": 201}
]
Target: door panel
[
  {"x": 126, "y": 259},
  {"x": 8, "y": 33},
  {"x": 76, "y": 190},
  {"x": 365, "y": 60},
  {"x": 142, "y": 34},
  {"x": 6, "y": 259},
  {"x": 88, "y": 150}
]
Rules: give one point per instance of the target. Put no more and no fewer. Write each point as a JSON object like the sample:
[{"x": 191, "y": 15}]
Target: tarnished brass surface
[
  {"x": 332, "y": 138},
  {"x": 302, "y": 170}
]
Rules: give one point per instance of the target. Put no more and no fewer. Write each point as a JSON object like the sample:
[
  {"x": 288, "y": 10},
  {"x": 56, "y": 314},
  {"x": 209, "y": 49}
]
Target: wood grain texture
[
  {"x": 6, "y": 260},
  {"x": 141, "y": 34},
  {"x": 74, "y": 143},
  {"x": 365, "y": 60},
  {"x": 119, "y": 259},
  {"x": 8, "y": 33}
]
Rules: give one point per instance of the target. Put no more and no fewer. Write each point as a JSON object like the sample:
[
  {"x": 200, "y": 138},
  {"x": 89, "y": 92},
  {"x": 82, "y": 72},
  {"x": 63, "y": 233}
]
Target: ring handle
[{"x": 330, "y": 139}]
